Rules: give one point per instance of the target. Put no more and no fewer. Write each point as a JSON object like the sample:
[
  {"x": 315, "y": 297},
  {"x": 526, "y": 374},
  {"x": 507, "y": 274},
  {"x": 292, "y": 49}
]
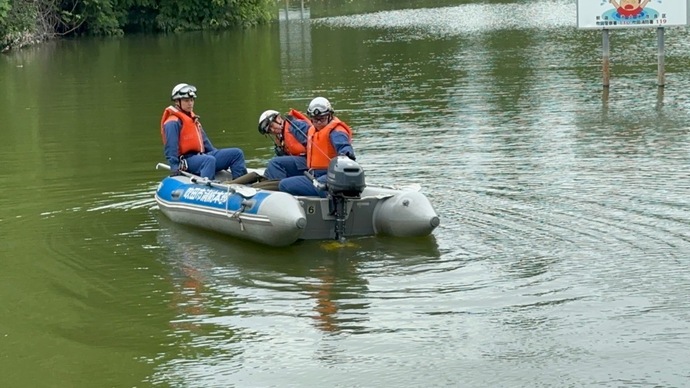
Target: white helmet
[
  {"x": 319, "y": 107},
  {"x": 265, "y": 120},
  {"x": 183, "y": 91}
]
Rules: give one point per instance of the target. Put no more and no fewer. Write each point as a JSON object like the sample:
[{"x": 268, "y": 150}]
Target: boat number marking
[{"x": 311, "y": 209}]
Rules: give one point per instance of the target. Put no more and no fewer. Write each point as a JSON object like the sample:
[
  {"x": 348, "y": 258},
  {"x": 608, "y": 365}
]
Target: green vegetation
[{"x": 25, "y": 22}]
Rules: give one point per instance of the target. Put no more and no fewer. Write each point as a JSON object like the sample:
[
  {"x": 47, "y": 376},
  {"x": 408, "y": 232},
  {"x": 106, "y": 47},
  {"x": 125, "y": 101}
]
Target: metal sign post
[
  {"x": 619, "y": 14},
  {"x": 660, "y": 54},
  {"x": 605, "y": 56}
]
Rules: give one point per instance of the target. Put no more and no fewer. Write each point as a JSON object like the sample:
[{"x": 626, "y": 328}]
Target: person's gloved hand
[{"x": 350, "y": 155}]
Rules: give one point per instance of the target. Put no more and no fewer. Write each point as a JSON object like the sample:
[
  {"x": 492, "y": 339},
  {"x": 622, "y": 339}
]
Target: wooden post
[
  {"x": 605, "y": 56},
  {"x": 660, "y": 46}
]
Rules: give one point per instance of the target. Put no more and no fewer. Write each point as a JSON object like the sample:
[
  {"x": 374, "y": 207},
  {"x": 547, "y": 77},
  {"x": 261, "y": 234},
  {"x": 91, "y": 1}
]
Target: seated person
[
  {"x": 327, "y": 138},
  {"x": 289, "y": 134},
  {"x": 185, "y": 144}
]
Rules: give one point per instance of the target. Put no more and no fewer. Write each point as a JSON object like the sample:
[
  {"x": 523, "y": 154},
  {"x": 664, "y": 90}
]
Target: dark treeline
[{"x": 24, "y": 22}]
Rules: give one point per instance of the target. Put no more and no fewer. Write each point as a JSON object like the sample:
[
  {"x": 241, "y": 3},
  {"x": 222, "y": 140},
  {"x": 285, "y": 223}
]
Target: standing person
[
  {"x": 327, "y": 138},
  {"x": 289, "y": 134},
  {"x": 185, "y": 144}
]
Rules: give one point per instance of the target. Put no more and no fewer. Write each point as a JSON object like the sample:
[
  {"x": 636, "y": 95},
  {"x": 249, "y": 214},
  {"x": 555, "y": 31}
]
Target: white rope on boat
[{"x": 235, "y": 214}]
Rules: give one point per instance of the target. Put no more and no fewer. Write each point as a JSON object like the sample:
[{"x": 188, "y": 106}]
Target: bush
[
  {"x": 18, "y": 25},
  {"x": 35, "y": 20}
]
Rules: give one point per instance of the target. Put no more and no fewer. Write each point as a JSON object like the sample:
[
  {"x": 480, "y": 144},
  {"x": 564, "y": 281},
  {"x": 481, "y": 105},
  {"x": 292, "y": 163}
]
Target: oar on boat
[{"x": 244, "y": 191}]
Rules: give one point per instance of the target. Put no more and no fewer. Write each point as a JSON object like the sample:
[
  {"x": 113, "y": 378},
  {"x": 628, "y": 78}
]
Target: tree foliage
[{"x": 24, "y": 21}]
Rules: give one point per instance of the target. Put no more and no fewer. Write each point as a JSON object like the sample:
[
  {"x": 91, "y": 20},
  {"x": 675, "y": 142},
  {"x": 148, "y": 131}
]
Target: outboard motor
[{"x": 345, "y": 180}]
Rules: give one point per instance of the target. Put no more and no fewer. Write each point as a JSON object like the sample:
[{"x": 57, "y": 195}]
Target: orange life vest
[
  {"x": 191, "y": 139},
  {"x": 299, "y": 115},
  {"x": 320, "y": 150},
  {"x": 290, "y": 144}
]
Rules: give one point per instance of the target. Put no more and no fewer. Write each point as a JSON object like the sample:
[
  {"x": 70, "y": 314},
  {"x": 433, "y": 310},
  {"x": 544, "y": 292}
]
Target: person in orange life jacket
[
  {"x": 327, "y": 138},
  {"x": 289, "y": 134},
  {"x": 185, "y": 144}
]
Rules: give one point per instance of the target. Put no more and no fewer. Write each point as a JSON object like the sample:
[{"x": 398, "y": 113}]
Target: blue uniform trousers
[
  {"x": 281, "y": 167},
  {"x": 206, "y": 165},
  {"x": 302, "y": 185}
]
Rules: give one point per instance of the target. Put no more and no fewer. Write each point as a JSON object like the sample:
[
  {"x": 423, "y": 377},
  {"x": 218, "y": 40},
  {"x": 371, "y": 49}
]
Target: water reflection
[
  {"x": 293, "y": 10},
  {"x": 295, "y": 49},
  {"x": 466, "y": 18},
  {"x": 208, "y": 269},
  {"x": 228, "y": 294}
]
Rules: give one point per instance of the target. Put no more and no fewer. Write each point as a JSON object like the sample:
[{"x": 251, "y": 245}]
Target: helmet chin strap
[{"x": 178, "y": 104}]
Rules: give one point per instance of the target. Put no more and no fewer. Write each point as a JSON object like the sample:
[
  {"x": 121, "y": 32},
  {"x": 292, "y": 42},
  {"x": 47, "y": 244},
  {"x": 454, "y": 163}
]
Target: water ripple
[{"x": 466, "y": 18}]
